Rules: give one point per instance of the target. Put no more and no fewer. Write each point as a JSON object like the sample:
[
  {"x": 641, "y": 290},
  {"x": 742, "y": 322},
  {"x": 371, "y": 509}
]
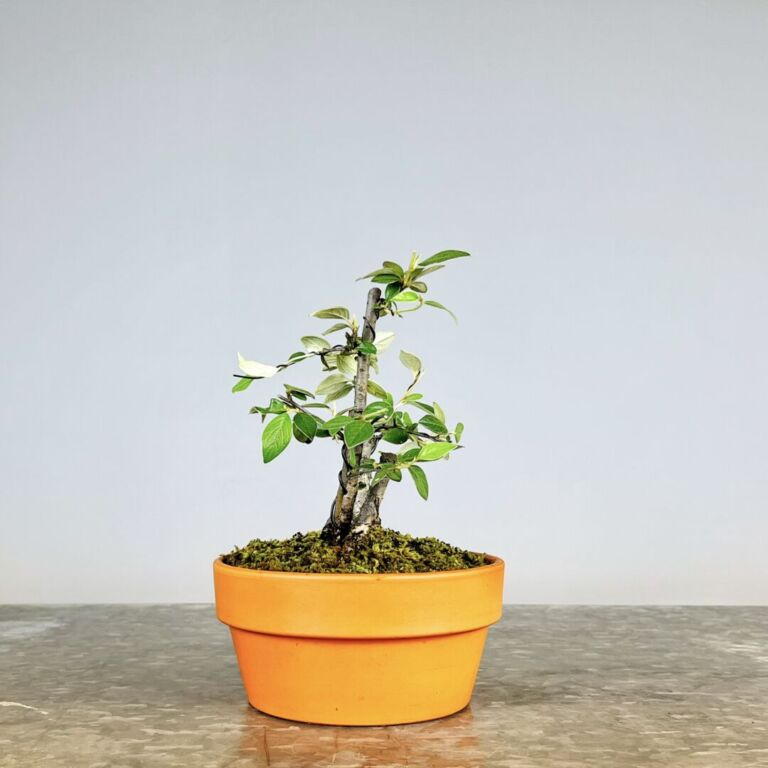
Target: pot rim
[
  {"x": 492, "y": 562},
  {"x": 359, "y": 605}
]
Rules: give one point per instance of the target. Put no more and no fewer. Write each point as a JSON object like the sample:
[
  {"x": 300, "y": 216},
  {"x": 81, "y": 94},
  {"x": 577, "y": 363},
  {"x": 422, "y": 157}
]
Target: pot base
[{"x": 335, "y": 681}]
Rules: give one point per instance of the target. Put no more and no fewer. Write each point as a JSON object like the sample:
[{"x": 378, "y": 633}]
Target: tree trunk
[{"x": 356, "y": 505}]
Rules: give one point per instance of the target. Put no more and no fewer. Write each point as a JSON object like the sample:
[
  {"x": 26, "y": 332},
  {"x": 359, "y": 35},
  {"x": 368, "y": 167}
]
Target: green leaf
[
  {"x": 394, "y": 267},
  {"x": 437, "y": 304},
  {"x": 335, "y": 327},
  {"x": 298, "y": 355},
  {"x": 395, "y": 435},
  {"x": 392, "y": 290},
  {"x": 377, "y": 409},
  {"x": 315, "y": 343},
  {"x": 408, "y": 455},
  {"x": 317, "y": 405},
  {"x": 412, "y": 397},
  {"x": 241, "y": 384},
  {"x": 419, "y": 286},
  {"x": 385, "y": 277},
  {"x": 458, "y": 432},
  {"x": 420, "y": 481},
  {"x": 357, "y": 432},
  {"x": 428, "y": 271},
  {"x": 275, "y": 437},
  {"x": 434, "y": 451},
  {"x": 334, "y": 424},
  {"x": 433, "y": 424},
  {"x": 333, "y": 313},
  {"x": 275, "y": 406},
  {"x": 424, "y": 407},
  {"x": 367, "y": 348},
  {"x": 377, "y": 273},
  {"x": 439, "y": 412},
  {"x": 329, "y": 383},
  {"x": 438, "y": 258},
  {"x": 389, "y": 470},
  {"x": 295, "y": 391},
  {"x": 405, "y": 296},
  {"x": 376, "y": 390},
  {"x": 411, "y": 362},
  {"x": 393, "y": 473},
  {"x": 403, "y": 419},
  {"x": 304, "y": 428}
]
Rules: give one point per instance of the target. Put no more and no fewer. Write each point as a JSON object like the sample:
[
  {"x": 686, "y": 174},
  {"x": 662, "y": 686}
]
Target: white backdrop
[{"x": 183, "y": 180}]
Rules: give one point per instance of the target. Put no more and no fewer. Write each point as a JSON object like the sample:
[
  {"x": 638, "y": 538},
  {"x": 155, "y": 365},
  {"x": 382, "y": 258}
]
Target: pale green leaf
[
  {"x": 341, "y": 391},
  {"x": 434, "y": 451},
  {"x": 333, "y": 313},
  {"x": 438, "y": 305},
  {"x": 383, "y": 340},
  {"x": 329, "y": 383},
  {"x": 428, "y": 271},
  {"x": 347, "y": 364},
  {"x": 335, "y": 327},
  {"x": 411, "y": 362},
  {"x": 315, "y": 343},
  {"x": 257, "y": 370},
  {"x": 458, "y": 432},
  {"x": 406, "y": 296},
  {"x": 376, "y": 389}
]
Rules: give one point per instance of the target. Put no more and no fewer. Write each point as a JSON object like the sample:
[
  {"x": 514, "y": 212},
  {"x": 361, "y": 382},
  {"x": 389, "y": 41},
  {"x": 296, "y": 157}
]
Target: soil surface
[{"x": 381, "y": 550}]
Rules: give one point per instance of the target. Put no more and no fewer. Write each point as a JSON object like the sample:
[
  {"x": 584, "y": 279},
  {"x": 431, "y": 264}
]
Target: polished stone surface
[{"x": 157, "y": 686}]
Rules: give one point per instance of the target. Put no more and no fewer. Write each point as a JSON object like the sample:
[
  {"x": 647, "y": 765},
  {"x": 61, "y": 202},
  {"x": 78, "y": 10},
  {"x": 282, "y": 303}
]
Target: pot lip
[{"x": 492, "y": 563}]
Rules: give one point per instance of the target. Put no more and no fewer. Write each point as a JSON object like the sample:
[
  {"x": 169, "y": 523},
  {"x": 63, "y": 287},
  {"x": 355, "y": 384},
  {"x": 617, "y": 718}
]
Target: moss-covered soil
[{"x": 381, "y": 550}]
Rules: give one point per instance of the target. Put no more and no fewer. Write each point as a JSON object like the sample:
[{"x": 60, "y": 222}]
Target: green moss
[{"x": 381, "y": 550}]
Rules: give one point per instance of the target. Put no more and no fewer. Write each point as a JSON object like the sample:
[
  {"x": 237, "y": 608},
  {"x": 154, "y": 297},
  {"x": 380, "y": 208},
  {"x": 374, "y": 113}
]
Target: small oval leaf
[
  {"x": 357, "y": 432},
  {"x": 275, "y": 437}
]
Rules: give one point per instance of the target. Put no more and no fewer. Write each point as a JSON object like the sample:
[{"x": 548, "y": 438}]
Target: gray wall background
[{"x": 182, "y": 180}]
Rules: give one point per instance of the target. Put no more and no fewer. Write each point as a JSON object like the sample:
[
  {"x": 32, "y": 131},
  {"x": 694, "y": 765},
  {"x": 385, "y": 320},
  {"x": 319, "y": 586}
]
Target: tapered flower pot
[{"x": 359, "y": 649}]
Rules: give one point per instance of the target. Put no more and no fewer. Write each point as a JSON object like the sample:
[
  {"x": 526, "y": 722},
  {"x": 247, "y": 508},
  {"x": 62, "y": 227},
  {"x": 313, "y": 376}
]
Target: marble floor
[{"x": 157, "y": 686}]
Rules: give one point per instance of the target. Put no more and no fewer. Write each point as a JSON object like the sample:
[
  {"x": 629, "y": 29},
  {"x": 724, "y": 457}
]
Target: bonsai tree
[{"x": 380, "y": 438}]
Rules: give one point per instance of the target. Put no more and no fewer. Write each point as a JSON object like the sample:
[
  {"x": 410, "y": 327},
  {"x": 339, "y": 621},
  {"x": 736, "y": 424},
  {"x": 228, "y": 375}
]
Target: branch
[{"x": 363, "y": 363}]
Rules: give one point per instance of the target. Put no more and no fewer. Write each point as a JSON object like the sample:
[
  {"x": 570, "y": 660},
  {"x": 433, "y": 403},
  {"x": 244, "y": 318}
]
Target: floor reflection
[{"x": 267, "y": 741}]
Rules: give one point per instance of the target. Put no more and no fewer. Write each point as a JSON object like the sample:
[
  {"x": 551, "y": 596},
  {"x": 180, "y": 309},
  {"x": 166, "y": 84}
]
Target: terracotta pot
[{"x": 359, "y": 649}]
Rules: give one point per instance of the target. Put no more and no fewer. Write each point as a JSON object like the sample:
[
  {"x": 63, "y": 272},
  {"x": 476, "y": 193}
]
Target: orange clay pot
[{"x": 359, "y": 649}]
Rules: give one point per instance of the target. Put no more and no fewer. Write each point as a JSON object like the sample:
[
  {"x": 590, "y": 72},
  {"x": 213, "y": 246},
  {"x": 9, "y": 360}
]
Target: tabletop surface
[{"x": 157, "y": 686}]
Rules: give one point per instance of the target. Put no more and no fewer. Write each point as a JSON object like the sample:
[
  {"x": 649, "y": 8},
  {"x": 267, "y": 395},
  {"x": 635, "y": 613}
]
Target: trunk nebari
[{"x": 356, "y": 506}]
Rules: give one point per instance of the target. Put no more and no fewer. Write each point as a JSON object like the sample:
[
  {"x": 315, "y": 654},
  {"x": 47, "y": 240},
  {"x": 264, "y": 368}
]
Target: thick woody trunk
[{"x": 356, "y": 506}]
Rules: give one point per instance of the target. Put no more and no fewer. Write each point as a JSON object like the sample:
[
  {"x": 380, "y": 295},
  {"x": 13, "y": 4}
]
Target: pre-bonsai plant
[{"x": 356, "y": 624}]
